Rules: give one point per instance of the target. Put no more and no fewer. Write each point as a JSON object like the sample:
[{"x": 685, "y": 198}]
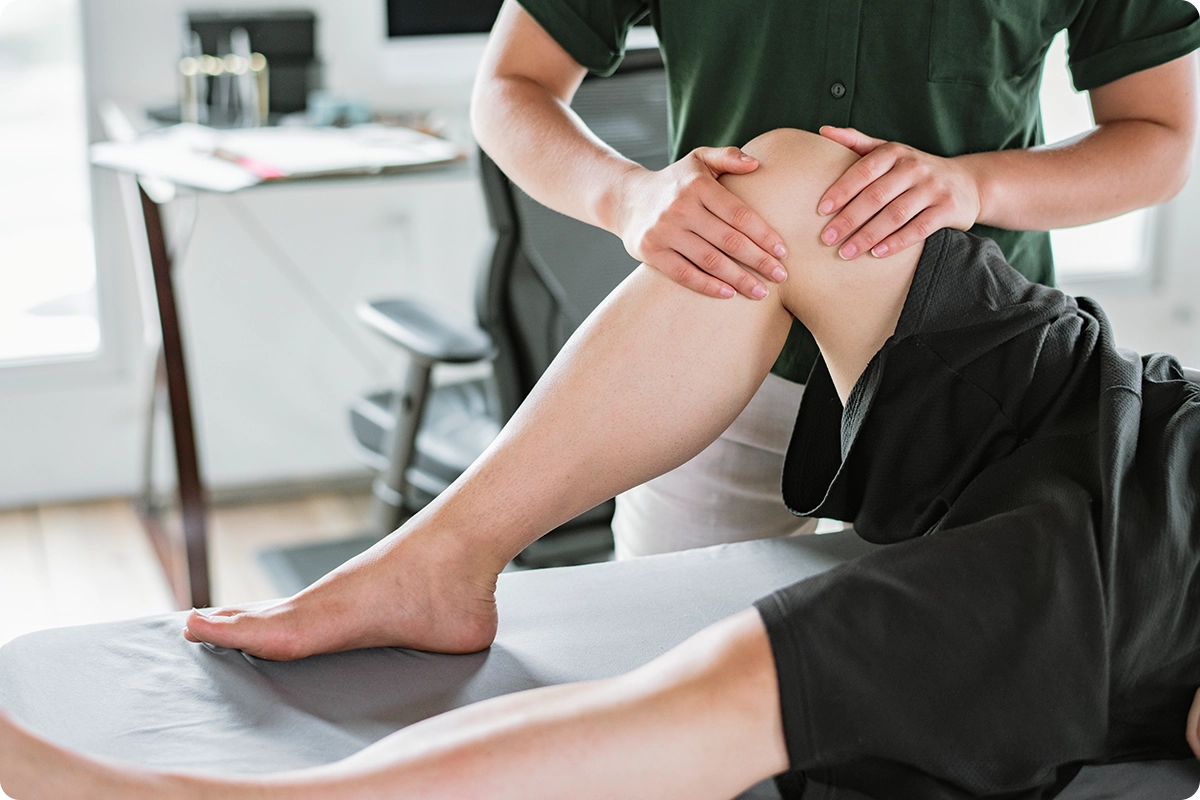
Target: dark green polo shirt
[{"x": 945, "y": 76}]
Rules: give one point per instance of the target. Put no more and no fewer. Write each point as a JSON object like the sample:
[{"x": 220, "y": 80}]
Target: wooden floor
[{"x": 90, "y": 562}]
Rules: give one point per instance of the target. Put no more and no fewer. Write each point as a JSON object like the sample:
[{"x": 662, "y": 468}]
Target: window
[
  {"x": 1115, "y": 247},
  {"x": 48, "y": 307}
]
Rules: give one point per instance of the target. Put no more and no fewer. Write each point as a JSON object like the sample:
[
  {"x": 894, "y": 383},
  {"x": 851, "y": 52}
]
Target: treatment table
[{"x": 138, "y": 692}]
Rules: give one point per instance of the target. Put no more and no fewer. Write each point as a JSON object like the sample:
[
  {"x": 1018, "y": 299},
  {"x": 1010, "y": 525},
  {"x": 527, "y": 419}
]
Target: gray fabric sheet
[{"x": 138, "y": 692}]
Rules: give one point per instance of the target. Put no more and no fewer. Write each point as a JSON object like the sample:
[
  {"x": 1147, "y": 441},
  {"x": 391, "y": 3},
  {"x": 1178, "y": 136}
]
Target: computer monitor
[
  {"x": 440, "y": 17},
  {"x": 441, "y": 41}
]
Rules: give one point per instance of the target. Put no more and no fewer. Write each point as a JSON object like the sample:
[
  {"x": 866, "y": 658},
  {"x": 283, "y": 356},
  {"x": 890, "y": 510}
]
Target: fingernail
[
  {"x": 726, "y": 292},
  {"x": 780, "y": 251},
  {"x": 825, "y": 208},
  {"x": 780, "y": 275},
  {"x": 829, "y": 236},
  {"x": 759, "y": 291},
  {"x": 880, "y": 251},
  {"x": 746, "y": 157},
  {"x": 848, "y": 252}
]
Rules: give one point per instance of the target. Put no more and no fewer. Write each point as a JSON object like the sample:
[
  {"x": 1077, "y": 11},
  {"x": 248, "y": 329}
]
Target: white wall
[{"x": 274, "y": 349}]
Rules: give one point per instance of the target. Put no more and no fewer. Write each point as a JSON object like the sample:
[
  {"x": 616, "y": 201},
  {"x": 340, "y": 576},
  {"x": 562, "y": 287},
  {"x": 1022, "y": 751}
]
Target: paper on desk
[
  {"x": 226, "y": 161},
  {"x": 295, "y": 152},
  {"x": 170, "y": 157}
]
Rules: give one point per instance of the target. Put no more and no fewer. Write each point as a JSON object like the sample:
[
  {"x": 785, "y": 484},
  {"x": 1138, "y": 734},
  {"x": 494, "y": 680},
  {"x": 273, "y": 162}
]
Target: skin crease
[{"x": 680, "y": 221}]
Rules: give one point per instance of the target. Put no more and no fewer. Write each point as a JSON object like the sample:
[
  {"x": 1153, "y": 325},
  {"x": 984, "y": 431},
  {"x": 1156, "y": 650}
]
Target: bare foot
[
  {"x": 413, "y": 589},
  {"x": 33, "y": 769}
]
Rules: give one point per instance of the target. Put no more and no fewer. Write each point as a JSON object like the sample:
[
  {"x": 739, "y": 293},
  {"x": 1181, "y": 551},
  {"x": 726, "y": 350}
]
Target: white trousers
[{"x": 730, "y": 492}]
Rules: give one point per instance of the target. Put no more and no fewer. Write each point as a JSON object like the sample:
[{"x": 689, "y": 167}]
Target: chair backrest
[{"x": 548, "y": 271}]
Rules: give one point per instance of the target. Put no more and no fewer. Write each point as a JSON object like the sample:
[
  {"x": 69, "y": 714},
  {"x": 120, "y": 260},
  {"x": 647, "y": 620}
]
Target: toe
[
  {"x": 199, "y": 626},
  {"x": 265, "y": 634},
  {"x": 224, "y": 628}
]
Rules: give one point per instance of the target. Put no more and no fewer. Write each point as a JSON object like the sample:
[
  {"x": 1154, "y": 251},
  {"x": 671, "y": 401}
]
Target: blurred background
[{"x": 268, "y": 282}]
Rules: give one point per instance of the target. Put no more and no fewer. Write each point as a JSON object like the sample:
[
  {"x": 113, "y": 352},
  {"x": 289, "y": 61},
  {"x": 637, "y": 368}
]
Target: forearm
[
  {"x": 548, "y": 151},
  {"x": 1115, "y": 168}
]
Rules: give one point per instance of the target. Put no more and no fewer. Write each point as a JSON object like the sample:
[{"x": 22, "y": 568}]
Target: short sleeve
[
  {"x": 592, "y": 31},
  {"x": 1110, "y": 39}
]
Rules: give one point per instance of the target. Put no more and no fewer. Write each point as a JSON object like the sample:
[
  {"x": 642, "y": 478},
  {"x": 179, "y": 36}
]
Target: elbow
[
  {"x": 1180, "y": 154},
  {"x": 478, "y": 110},
  {"x": 1179, "y": 174},
  {"x": 492, "y": 109},
  {"x": 1176, "y": 170},
  {"x": 1173, "y": 149}
]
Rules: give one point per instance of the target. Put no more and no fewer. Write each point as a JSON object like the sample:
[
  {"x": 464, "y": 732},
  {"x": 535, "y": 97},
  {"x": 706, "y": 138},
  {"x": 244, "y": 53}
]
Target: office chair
[{"x": 547, "y": 272}]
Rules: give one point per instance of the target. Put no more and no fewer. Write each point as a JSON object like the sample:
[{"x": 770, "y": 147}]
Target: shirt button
[{"x": 838, "y": 90}]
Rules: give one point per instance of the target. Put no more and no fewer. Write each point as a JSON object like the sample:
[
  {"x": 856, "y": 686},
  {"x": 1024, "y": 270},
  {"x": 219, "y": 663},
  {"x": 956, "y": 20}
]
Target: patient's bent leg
[
  {"x": 650, "y": 379},
  {"x": 701, "y": 721},
  {"x": 851, "y": 307}
]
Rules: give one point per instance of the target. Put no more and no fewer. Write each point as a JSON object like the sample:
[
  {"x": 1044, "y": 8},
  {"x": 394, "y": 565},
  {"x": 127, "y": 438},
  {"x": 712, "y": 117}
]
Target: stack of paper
[{"x": 228, "y": 160}]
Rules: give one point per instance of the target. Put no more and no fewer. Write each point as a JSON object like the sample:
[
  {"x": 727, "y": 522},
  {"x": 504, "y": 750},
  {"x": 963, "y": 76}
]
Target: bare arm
[
  {"x": 1139, "y": 154},
  {"x": 678, "y": 220},
  {"x": 521, "y": 115}
]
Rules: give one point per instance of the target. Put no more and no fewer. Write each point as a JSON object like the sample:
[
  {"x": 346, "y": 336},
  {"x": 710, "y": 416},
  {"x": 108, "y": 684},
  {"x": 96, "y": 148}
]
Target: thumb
[
  {"x": 851, "y": 138},
  {"x": 720, "y": 160}
]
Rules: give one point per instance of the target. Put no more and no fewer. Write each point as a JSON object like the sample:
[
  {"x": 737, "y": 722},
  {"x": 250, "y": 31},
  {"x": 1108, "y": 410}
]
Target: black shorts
[{"x": 1037, "y": 608}]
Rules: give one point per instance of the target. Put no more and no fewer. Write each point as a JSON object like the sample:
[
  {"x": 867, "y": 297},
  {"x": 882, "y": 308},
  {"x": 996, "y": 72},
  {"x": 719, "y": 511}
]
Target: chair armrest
[
  {"x": 1192, "y": 375},
  {"x": 427, "y": 332}
]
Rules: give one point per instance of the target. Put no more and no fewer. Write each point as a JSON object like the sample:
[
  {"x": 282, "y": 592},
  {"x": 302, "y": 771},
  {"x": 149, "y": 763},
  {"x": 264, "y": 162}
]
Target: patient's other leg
[
  {"x": 650, "y": 379},
  {"x": 702, "y": 721}
]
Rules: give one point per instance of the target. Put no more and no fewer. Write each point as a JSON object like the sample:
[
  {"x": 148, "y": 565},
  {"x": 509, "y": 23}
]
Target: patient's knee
[{"x": 795, "y": 169}]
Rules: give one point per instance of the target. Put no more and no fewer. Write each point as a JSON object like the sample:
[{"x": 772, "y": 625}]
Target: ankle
[{"x": 461, "y": 549}]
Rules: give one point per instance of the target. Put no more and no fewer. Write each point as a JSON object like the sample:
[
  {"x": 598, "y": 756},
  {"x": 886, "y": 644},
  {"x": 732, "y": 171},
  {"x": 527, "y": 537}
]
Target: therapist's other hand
[
  {"x": 685, "y": 224},
  {"x": 894, "y": 196}
]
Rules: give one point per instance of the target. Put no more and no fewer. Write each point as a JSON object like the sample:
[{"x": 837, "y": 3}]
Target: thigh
[
  {"x": 729, "y": 492},
  {"x": 973, "y": 662}
]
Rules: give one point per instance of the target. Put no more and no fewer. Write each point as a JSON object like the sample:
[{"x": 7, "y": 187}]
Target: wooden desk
[{"x": 184, "y": 558}]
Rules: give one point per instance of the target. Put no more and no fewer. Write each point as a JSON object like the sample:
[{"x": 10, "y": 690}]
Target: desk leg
[{"x": 187, "y": 572}]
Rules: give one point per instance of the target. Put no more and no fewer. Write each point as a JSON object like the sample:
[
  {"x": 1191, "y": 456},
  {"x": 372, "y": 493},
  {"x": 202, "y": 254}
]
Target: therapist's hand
[
  {"x": 894, "y": 196},
  {"x": 685, "y": 224}
]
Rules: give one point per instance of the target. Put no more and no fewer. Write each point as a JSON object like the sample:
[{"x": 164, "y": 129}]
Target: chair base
[{"x": 455, "y": 430}]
